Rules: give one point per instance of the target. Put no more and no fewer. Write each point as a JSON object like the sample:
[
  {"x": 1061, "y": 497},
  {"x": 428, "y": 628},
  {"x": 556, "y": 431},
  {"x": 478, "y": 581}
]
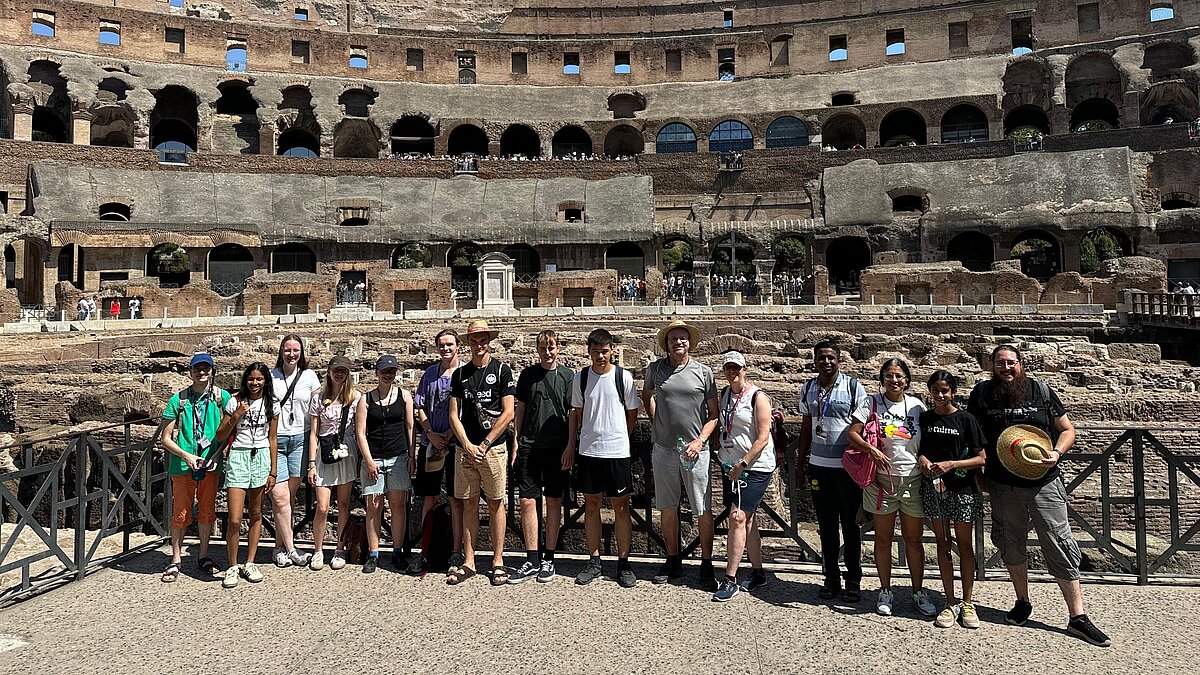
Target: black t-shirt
[
  {"x": 1038, "y": 410},
  {"x": 547, "y": 398},
  {"x": 949, "y": 438},
  {"x": 480, "y": 393}
]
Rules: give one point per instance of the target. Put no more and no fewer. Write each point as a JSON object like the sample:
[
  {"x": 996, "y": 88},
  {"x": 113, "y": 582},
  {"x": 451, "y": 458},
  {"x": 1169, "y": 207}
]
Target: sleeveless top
[{"x": 387, "y": 426}]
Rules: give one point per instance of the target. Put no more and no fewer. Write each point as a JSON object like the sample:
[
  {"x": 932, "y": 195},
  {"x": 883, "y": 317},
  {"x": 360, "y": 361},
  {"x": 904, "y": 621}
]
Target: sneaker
[
  {"x": 457, "y": 559},
  {"x": 1020, "y": 612},
  {"x": 947, "y": 616},
  {"x": 370, "y": 565},
  {"x": 546, "y": 573},
  {"x": 231, "y": 578},
  {"x": 526, "y": 572},
  {"x": 338, "y": 561},
  {"x": 852, "y": 595},
  {"x": 416, "y": 567},
  {"x": 252, "y": 573},
  {"x": 297, "y": 558},
  {"x": 970, "y": 619},
  {"x": 625, "y": 576},
  {"x": 757, "y": 579},
  {"x": 590, "y": 573},
  {"x": 727, "y": 590},
  {"x": 708, "y": 577},
  {"x": 1082, "y": 627},
  {"x": 883, "y": 605},
  {"x": 281, "y": 559},
  {"x": 923, "y": 603},
  {"x": 828, "y": 592},
  {"x": 668, "y": 571},
  {"x": 317, "y": 562}
]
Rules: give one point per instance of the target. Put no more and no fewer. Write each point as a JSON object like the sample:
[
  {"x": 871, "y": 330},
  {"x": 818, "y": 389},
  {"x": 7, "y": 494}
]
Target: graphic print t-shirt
[
  {"x": 480, "y": 391},
  {"x": 950, "y": 438},
  {"x": 254, "y": 428}
]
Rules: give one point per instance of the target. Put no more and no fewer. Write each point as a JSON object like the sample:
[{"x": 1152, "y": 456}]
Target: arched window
[
  {"x": 229, "y": 265},
  {"x": 730, "y": 136},
  {"x": 412, "y": 134},
  {"x": 1162, "y": 10},
  {"x": 1039, "y": 253},
  {"x": 519, "y": 139},
  {"x": 675, "y": 137},
  {"x": 293, "y": 258},
  {"x": 844, "y": 132},
  {"x": 571, "y": 140},
  {"x": 114, "y": 211},
  {"x": 298, "y": 142},
  {"x": 467, "y": 139},
  {"x": 787, "y": 132},
  {"x": 902, "y": 127},
  {"x": 171, "y": 264},
  {"x": 964, "y": 123},
  {"x": 623, "y": 141}
]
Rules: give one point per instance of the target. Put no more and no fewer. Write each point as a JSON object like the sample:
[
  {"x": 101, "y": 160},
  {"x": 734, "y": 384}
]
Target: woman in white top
[
  {"x": 251, "y": 418},
  {"x": 897, "y": 486},
  {"x": 747, "y": 457},
  {"x": 335, "y": 402},
  {"x": 294, "y": 385}
]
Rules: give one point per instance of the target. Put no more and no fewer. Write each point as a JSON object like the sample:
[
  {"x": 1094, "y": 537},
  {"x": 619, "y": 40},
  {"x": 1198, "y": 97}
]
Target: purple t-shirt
[{"x": 433, "y": 396}]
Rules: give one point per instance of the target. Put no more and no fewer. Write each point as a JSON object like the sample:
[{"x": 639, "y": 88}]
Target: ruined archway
[
  {"x": 520, "y": 140},
  {"x": 623, "y": 141},
  {"x": 299, "y": 130},
  {"x": 1095, "y": 114},
  {"x": 973, "y": 249},
  {"x": 1027, "y": 83},
  {"x": 677, "y": 254},
  {"x": 112, "y": 126},
  {"x": 844, "y": 132},
  {"x": 297, "y": 142},
  {"x": 229, "y": 265},
  {"x": 1093, "y": 76},
  {"x": 175, "y": 117},
  {"x": 1039, "y": 252},
  {"x": 467, "y": 139},
  {"x": 627, "y": 258},
  {"x": 410, "y": 256},
  {"x": 1025, "y": 122},
  {"x": 846, "y": 258},
  {"x": 463, "y": 260},
  {"x": 293, "y": 258},
  {"x": 170, "y": 264},
  {"x": 356, "y": 138},
  {"x": 1171, "y": 102},
  {"x": 963, "y": 124},
  {"x": 733, "y": 256},
  {"x": 902, "y": 127},
  {"x": 413, "y": 134},
  {"x": 791, "y": 254},
  {"x": 1101, "y": 244},
  {"x": 570, "y": 140},
  {"x": 52, "y": 103},
  {"x": 235, "y": 123},
  {"x": 1166, "y": 60}
]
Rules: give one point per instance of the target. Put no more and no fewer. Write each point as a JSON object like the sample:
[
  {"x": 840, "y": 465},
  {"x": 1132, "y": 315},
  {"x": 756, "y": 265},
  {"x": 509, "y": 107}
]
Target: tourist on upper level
[
  {"x": 251, "y": 425},
  {"x": 135, "y": 308},
  {"x": 83, "y": 309},
  {"x": 894, "y": 418},
  {"x": 951, "y": 452},
  {"x": 384, "y": 428},
  {"x": 189, "y": 433},
  {"x": 747, "y": 457},
  {"x": 680, "y": 396},
  {"x": 481, "y": 407},
  {"x": 438, "y": 453},
  {"x": 1035, "y": 495},
  {"x": 114, "y": 309},
  {"x": 830, "y": 403},
  {"x": 332, "y": 456},
  {"x": 543, "y": 403},
  {"x": 604, "y": 407},
  {"x": 293, "y": 384}
]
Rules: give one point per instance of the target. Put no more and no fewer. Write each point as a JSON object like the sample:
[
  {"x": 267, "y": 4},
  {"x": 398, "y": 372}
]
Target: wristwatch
[
  {"x": 485, "y": 443},
  {"x": 744, "y": 464}
]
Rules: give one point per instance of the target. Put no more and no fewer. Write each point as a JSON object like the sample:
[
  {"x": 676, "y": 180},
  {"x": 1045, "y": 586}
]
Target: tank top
[{"x": 387, "y": 426}]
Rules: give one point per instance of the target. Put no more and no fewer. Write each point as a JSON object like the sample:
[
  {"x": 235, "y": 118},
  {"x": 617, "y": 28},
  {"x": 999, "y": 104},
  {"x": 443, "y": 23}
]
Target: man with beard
[{"x": 1012, "y": 398}]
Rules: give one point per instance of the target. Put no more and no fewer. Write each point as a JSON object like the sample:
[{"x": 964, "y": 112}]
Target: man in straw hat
[
  {"x": 680, "y": 395},
  {"x": 1022, "y": 491},
  {"x": 481, "y": 407}
]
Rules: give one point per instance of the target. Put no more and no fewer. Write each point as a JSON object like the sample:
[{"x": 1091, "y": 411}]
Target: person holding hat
[
  {"x": 748, "y": 459},
  {"x": 481, "y": 408},
  {"x": 384, "y": 429},
  {"x": 680, "y": 396},
  {"x": 195, "y": 463},
  {"x": 436, "y": 458},
  {"x": 1025, "y": 489},
  {"x": 333, "y": 409}
]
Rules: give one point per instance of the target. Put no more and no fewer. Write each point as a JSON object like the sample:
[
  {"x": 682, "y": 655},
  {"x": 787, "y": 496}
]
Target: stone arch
[
  {"x": 70, "y": 265},
  {"x": 294, "y": 257},
  {"x": 787, "y": 131},
  {"x": 175, "y": 117},
  {"x": 570, "y": 139},
  {"x": 844, "y": 131},
  {"x": 1025, "y": 119},
  {"x": 902, "y": 126},
  {"x": 519, "y": 139},
  {"x": 1167, "y": 59},
  {"x": 1169, "y": 102},
  {"x": 1040, "y": 253},
  {"x": 463, "y": 260},
  {"x": 964, "y": 123},
  {"x": 623, "y": 140},
  {"x": 467, "y": 139},
  {"x": 626, "y": 104},
  {"x": 677, "y": 253},
  {"x": 1095, "y": 114},
  {"x": 730, "y": 136},
  {"x": 1101, "y": 244},
  {"x": 1093, "y": 75},
  {"x": 627, "y": 258},
  {"x": 846, "y": 258},
  {"x": 792, "y": 253},
  {"x": 298, "y": 142},
  {"x": 169, "y": 263},
  {"x": 1178, "y": 200},
  {"x": 113, "y": 126},
  {"x": 732, "y": 255},
  {"x": 229, "y": 265},
  {"x": 675, "y": 137},
  {"x": 1027, "y": 82},
  {"x": 236, "y": 125},
  {"x": 413, "y": 133},
  {"x": 357, "y": 100},
  {"x": 52, "y": 103},
  {"x": 410, "y": 256},
  {"x": 357, "y": 138},
  {"x": 973, "y": 249},
  {"x": 909, "y": 200}
]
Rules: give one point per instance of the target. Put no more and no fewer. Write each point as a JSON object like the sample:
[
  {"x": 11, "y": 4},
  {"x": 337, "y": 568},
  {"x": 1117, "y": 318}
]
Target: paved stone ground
[{"x": 125, "y": 620}]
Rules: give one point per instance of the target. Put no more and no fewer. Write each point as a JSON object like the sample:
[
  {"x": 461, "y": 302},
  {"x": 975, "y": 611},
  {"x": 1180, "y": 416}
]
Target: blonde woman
[{"x": 333, "y": 455}]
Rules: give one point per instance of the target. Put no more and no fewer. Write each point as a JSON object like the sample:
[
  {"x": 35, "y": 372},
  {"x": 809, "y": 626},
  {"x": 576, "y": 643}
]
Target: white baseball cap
[{"x": 734, "y": 357}]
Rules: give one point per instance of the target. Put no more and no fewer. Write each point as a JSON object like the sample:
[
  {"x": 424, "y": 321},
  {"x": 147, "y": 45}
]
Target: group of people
[
  {"x": 88, "y": 308},
  {"x": 631, "y": 288},
  {"x": 791, "y": 285},
  {"x": 722, "y": 284},
  {"x": 678, "y": 285},
  {"x": 351, "y": 292},
  {"x": 923, "y": 461}
]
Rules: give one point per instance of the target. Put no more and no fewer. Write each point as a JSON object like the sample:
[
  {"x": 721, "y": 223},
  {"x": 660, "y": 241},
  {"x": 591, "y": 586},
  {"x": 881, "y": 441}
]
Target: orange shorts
[{"x": 185, "y": 491}]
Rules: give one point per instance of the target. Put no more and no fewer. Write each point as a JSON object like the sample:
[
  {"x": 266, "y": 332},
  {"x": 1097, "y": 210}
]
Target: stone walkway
[{"x": 125, "y": 620}]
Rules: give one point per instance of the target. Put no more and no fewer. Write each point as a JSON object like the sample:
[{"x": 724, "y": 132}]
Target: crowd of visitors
[
  {"x": 631, "y": 288},
  {"x": 722, "y": 284}
]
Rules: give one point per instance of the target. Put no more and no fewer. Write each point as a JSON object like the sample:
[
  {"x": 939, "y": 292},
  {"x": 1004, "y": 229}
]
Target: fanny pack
[{"x": 333, "y": 446}]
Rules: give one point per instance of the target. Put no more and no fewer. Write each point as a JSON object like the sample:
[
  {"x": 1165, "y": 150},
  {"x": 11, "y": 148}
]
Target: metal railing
[{"x": 1165, "y": 308}]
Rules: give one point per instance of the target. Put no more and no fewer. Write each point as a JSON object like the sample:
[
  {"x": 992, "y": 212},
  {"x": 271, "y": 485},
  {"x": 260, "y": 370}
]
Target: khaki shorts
[
  {"x": 1015, "y": 509},
  {"x": 906, "y": 500},
  {"x": 489, "y": 475}
]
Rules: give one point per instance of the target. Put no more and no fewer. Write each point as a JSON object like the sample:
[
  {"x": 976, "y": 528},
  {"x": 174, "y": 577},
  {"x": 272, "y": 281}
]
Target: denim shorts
[
  {"x": 289, "y": 463},
  {"x": 393, "y": 476},
  {"x": 752, "y": 487}
]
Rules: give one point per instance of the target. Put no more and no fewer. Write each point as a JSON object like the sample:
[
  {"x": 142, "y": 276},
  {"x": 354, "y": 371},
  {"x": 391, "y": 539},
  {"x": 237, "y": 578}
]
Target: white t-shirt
[
  {"x": 900, "y": 419},
  {"x": 604, "y": 432},
  {"x": 253, "y": 430},
  {"x": 294, "y": 418},
  {"x": 738, "y": 436}
]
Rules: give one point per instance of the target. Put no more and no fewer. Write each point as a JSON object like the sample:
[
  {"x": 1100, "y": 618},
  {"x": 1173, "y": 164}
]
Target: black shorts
[
  {"x": 430, "y": 484},
  {"x": 611, "y": 476},
  {"x": 539, "y": 471}
]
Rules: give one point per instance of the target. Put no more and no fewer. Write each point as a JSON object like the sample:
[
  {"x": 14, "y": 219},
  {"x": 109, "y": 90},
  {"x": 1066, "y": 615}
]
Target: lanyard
[
  {"x": 731, "y": 410},
  {"x": 824, "y": 398},
  {"x": 198, "y": 414}
]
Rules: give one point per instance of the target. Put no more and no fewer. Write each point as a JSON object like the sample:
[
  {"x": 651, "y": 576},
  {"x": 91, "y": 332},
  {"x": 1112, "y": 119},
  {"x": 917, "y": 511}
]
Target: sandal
[
  {"x": 499, "y": 576},
  {"x": 171, "y": 573},
  {"x": 209, "y": 567},
  {"x": 459, "y": 575}
]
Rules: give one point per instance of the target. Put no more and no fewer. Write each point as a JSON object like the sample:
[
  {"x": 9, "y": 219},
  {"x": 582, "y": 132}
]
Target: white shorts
[{"x": 669, "y": 474}]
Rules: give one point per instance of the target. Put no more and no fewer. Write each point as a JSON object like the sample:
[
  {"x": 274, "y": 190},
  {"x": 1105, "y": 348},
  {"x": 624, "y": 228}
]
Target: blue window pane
[
  {"x": 299, "y": 152},
  {"x": 110, "y": 37},
  {"x": 622, "y": 69},
  {"x": 42, "y": 29},
  {"x": 1162, "y": 14},
  {"x": 837, "y": 55},
  {"x": 787, "y": 132},
  {"x": 730, "y": 136},
  {"x": 1020, "y": 51},
  {"x": 895, "y": 49},
  {"x": 570, "y": 70},
  {"x": 235, "y": 60},
  {"x": 729, "y": 23},
  {"x": 176, "y": 3},
  {"x": 358, "y": 62},
  {"x": 675, "y": 137},
  {"x": 302, "y": 15}
]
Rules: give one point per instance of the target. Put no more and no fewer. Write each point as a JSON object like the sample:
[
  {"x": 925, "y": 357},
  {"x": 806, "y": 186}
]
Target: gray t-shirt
[
  {"x": 681, "y": 398},
  {"x": 831, "y": 417}
]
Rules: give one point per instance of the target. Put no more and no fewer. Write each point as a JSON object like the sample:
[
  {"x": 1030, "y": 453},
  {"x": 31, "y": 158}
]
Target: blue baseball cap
[
  {"x": 387, "y": 362},
  {"x": 202, "y": 357}
]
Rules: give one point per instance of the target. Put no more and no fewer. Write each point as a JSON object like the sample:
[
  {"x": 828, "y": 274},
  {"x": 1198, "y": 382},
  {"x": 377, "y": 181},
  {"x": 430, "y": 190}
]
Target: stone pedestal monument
[{"x": 496, "y": 276}]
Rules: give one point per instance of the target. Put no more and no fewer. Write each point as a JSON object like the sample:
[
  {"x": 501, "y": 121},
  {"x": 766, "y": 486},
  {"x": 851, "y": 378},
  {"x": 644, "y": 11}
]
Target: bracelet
[
  {"x": 312, "y": 462},
  {"x": 272, "y": 475}
]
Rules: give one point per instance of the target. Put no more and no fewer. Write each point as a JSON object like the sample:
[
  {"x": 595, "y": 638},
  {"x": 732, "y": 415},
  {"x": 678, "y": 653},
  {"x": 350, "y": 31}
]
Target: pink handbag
[{"x": 861, "y": 466}]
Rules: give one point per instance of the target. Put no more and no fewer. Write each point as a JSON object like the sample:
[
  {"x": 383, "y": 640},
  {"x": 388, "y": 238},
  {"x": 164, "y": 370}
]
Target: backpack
[
  {"x": 619, "y": 380},
  {"x": 853, "y": 392},
  {"x": 436, "y": 538}
]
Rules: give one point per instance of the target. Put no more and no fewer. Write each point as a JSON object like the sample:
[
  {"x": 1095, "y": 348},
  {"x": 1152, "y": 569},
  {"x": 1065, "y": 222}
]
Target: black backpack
[
  {"x": 619, "y": 379},
  {"x": 437, "y": 539},
  {"x": 853, "y": 393}
]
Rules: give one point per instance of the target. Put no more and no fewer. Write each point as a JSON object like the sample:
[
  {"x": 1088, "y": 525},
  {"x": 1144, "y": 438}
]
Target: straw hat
[
  {"x": 693, "y": 333},
  {"x": 481, "y": 326},
  {"x": 1021, "y": 449}
]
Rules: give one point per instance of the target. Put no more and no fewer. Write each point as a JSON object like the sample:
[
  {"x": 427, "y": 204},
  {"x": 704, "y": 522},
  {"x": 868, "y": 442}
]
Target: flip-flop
[
  {"x": 171, "y": 573},
  {"x": 499, "y": 576},
  {"x": 460, "y": 575},
  {"x": 209, "y": 567}
]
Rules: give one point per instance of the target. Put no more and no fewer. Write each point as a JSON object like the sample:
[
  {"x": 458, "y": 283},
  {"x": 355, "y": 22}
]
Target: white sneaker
[
  {"x": 297, "y": 558},
  {"x": 317, "y": 561},
  {"x": 883, "y": 605},
  {"x": 252, "y": 573},
  {"x": 338, "y": 561},
  {"x": 231, "y": 578},
  {"x": 281, "y": 559},
  {"x": 924, "y": 605}
]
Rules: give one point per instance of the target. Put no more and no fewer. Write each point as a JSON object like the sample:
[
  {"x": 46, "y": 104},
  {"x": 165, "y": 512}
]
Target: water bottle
[{"x": 681, "y": 448}]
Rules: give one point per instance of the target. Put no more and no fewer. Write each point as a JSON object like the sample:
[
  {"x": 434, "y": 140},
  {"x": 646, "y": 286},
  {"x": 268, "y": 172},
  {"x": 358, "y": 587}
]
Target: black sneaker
[
  {"x": 708, "y": 577},
  {"x": 757, "y": 579},
  {"x": 1082, "y": 627},
  {"x": 727, "y": 590},
  {"x": 670, "y": 570},
  {"x": 625, "y": 576},
  {"x": 852, "y": 594},
  {"x": 546, "y": 572},
  {"x": 590, "y": 573},
  {"x": 528, "y": 571},
  {"x": 371, "y": 565},
  {"x": 1020, "y": 612},
  {"x": 416, "y": 567},
  {"x": 828, "y": 592}
]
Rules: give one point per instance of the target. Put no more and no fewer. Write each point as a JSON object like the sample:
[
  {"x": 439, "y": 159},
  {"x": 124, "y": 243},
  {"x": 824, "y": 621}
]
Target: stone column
[
  {"x": 81, "y": 127},
  {"x": 703, "y": 271},
  {"x": 23, "y": 121},
  {"x": 266, "y": 137},
  {"x": 764, "y": 272}
]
